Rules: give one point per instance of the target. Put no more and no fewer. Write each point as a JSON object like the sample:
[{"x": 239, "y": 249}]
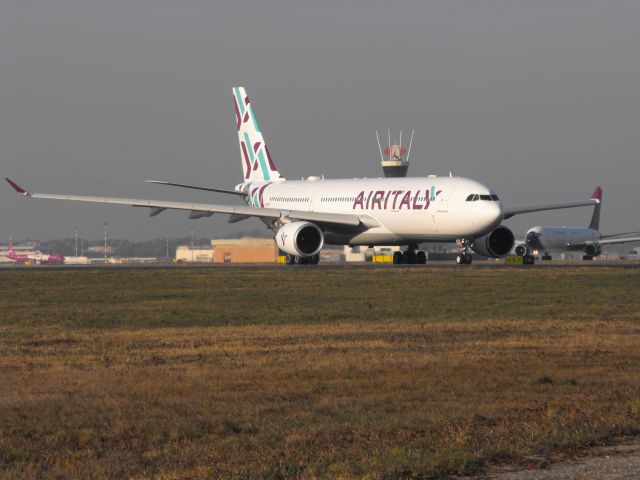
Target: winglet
[
  {"x": 597, "y": 194},
  {"x": 157, "y": 181},
  {"x": 16, "y": 187}
]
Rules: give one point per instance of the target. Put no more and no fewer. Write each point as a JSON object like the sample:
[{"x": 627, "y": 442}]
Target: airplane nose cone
[
  {"x": 532, "y": 239},
  {"x": 493, "y": 213}
]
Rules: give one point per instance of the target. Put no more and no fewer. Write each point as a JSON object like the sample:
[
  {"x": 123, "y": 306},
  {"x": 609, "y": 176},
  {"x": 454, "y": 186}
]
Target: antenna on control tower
[{"x": 392, "y": 158}]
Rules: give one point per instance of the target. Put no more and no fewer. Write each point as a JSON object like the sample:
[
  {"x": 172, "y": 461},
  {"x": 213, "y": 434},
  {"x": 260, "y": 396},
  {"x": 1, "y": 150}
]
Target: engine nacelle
[
  {"x": 303, "y": 239},
  {"x": 521, "y": 250},
  {"x": 496, "y": 244},
  {"x": 592, "y": 250}
]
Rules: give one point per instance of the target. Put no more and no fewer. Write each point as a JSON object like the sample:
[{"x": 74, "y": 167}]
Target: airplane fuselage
[
  {"x": 37, "y": 258},
  {"x": 406, "y": 209},
  {"x": 560, "y": 239}
]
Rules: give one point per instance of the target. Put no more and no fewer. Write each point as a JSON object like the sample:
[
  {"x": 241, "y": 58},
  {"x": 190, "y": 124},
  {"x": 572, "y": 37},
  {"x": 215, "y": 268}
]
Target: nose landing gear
[{"x": 464, "y": 258}]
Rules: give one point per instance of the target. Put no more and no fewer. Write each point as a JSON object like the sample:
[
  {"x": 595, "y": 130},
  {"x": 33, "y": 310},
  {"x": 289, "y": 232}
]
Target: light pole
[
  {"x": 75, "y": 231},
  {"x": 105, "y": 224},
  {"x": 167, "y": 239},
  {"x": 192, "y": 232}
]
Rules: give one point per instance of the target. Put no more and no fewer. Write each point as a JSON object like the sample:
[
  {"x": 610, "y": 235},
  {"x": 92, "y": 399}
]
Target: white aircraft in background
[
  {"x": 309, "y": 213},
  {"x": 571, "y": 239}
]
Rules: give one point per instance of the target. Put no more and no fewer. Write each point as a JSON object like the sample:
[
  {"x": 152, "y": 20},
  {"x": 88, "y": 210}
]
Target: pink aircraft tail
[
  {"x": 595, "y": 218},
  {"x": 11, "y": 253}
]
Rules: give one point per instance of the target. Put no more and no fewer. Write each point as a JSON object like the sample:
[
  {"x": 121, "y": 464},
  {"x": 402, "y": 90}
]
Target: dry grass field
[{"x": 311, "y": 373}]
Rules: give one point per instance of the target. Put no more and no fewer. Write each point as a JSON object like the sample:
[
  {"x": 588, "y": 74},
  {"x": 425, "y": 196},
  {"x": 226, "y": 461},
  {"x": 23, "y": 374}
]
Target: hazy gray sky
[{"x": 540, "y": 100}]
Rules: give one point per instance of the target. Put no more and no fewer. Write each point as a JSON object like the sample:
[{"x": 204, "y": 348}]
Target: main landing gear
[
  {"x": 297, "y": 260},
  {"x": 411, "y": 256},
  {"x": 464, "y": 258}
]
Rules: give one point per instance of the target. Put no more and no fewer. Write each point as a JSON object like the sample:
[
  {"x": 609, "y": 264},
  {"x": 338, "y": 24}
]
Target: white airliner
[
  {"x": 571, "y": 239},
  {"x": 309, "y": 213}
]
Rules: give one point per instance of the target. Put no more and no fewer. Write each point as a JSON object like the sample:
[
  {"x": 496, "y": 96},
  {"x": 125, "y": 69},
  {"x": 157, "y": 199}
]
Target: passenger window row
[
  {"x": 289, "y": 199},
  {"x": 337, "y": 199}
]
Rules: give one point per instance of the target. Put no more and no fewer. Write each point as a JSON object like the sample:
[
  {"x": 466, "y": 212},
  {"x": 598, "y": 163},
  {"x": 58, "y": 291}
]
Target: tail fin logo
[
  {"x": 256, "y": 160},
  {"x": 256, "y": 197}
]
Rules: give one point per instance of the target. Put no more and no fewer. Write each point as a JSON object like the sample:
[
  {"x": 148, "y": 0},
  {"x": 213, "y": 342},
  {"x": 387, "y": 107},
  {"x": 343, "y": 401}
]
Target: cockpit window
[{"x": 474, "y": 197}]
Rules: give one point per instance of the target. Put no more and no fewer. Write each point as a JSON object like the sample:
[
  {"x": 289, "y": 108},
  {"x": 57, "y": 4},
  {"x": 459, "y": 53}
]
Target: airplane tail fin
[
  {"x": 11, "y": 254},
  {"x": 595, "y": 218},
  {"x": 256, "y": 160}
]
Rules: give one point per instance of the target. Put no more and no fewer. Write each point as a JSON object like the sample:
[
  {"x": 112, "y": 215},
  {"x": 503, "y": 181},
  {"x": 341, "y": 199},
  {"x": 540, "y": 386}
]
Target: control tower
[{"x": 392, "y": 157}]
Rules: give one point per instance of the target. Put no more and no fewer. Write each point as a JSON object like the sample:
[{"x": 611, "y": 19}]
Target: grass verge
[{"x": 390, "y": 373}]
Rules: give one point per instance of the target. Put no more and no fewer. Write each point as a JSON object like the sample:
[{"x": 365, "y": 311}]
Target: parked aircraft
[
  {"x": 309, "y": 213},
  {"x": 571, "y": 239},
  {"x": 36, "y": 258}
]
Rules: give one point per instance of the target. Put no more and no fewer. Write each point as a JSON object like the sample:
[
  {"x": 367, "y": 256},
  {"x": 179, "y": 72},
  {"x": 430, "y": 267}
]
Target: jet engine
[
  {"x": 302, "y": 239},
  {"x": 496, "y": 244},
  {"x": 592, "y": 250},
  {"x": 521, "y": 250}
]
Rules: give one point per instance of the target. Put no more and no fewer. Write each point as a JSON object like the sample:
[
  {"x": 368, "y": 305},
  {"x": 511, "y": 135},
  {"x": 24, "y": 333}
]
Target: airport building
[
  {"x": 393, "y": 161},
  {"x": 245, "y": 250},
  {"x": 196, "y": 254},
  {"x": 395, "y": 165}
]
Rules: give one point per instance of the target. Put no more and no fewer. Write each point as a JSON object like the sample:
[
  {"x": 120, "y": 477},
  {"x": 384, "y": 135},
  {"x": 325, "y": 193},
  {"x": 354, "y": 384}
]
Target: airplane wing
[
  {"x": 609, "y": 241},
  {"x": 611, "y": 235},
  {"x": 356, "y": 222},
  {"x": 511, "y": 211},
  {"x": 193, "y": 187}
]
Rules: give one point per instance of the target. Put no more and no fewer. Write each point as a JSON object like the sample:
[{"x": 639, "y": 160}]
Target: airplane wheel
[
  {"x": 290, "y": 259},
  {"x": 397, "y": 258},
  {"x": 468, "y": 258},
  {"x": 421, "y": 257},
  {"x": 459, "y": 259},
  {"x": 315, "y": 259},
  {"x": 409, "y": 257}
]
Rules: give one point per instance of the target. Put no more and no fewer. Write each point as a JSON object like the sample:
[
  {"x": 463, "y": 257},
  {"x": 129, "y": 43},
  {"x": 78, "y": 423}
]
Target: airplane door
[
  {"x": 443, "y": 200},
  {"x": 312, "y": 199}
]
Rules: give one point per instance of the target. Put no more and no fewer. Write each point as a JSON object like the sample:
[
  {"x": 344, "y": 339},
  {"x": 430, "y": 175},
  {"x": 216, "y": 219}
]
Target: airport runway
[{"x": 337, "y": 266}]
